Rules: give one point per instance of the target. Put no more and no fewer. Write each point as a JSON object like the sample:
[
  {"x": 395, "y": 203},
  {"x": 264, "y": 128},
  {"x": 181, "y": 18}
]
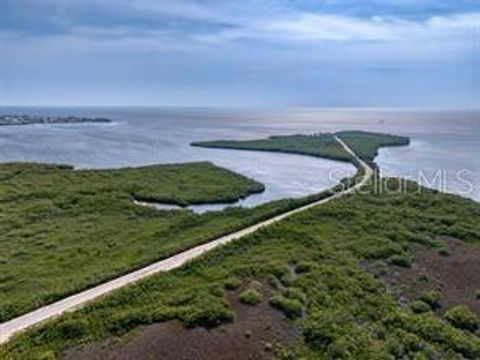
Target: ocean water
[{"x": 444, "y": 151}]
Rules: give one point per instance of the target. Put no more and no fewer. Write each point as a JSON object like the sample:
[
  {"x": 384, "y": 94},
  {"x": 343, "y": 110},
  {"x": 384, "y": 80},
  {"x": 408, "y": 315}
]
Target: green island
[{"x": 345, "y": 276}]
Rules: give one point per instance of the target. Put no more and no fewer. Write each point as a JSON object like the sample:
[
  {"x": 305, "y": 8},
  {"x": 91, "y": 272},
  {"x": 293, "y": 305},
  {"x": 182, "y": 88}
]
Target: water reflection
[{"x": 141, "y": 136}]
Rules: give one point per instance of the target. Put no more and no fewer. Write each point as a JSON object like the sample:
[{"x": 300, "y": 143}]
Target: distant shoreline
[{"x": 24, "y": 120}]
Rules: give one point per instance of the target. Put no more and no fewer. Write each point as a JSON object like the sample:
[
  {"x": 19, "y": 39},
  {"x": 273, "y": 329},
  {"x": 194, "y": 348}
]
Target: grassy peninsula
[
  {"x": 320, "y": 145},
  {"x": 365, "y": 144}
]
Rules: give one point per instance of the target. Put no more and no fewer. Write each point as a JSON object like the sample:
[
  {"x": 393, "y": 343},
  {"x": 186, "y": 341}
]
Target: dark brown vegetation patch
[
  {"x": 456, "y": 275},
  {"x": 256, "y": 333}
]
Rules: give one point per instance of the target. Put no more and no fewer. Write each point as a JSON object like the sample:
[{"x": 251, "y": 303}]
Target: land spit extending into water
[
  {"x": 9, "y": 328},
  {"x": 19, "y": 120},
  {"x": 364, "y": 144},
  {"x": 73, "y": 302},
  {"x": 325, "y": 145},
  {"x": 321, "y": 268}
]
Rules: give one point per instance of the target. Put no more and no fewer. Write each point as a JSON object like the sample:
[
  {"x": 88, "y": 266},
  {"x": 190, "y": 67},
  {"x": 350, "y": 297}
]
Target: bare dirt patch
[
  {"x": 456, "y": 276},
  {"x": 256, "y": 333}
]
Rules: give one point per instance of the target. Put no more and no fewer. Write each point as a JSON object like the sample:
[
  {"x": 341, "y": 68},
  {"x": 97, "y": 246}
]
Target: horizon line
[{"x": 246, "y": 107}]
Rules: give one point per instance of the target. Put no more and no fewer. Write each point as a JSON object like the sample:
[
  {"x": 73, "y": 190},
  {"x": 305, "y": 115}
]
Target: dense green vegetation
[
  {"x": 251, "y": 296},
  {"x": 66, "y": 230},
  {"x": 181, "y": 184},
  {"x": 315, "y": 263},
  {"x": 321, "y": 145},
  {"x": 63, "y": 230},
  {"x": 461, "y": 317},
  {"x": 364, "y": 144}
]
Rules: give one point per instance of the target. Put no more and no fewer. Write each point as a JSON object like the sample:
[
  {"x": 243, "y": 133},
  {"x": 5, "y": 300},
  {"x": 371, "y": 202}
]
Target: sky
[{"x": 249, "y": 53}]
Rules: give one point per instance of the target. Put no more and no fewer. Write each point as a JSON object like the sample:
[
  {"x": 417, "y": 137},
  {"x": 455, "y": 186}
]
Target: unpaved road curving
[{"x": 16, "y": 325}]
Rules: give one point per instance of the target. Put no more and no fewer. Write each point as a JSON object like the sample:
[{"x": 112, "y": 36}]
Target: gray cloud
[{"x": 246, "y": 48}]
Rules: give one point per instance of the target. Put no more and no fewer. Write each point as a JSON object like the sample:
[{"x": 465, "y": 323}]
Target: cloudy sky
[{"x": 372, "y": 53}]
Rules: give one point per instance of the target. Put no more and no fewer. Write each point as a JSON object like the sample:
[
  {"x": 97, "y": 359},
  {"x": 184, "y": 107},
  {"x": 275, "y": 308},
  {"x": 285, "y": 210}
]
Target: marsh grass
[
  {"x": 63, "y": 230},
  {"x": 345, "y": 312}
]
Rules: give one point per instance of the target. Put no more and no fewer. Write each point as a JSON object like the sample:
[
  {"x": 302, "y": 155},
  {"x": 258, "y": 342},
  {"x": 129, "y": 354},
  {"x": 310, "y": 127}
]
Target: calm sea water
[{"x": 444, "y": 152}]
